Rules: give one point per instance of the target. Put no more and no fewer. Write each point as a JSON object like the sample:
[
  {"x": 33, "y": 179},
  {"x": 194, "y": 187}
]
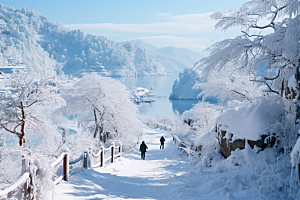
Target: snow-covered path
[{"x": 157, "y": 177}]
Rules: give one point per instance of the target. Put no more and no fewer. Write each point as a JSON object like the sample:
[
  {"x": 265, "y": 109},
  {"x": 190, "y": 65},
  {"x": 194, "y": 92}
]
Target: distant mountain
[
  {"x": 31, "y": 36},
  {"x": 176, "y": 59}
]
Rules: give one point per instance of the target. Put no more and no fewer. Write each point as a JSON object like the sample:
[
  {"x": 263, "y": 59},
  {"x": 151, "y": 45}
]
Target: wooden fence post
[
  {"x": 102, "y": 156},
  {"x": 112, "y": 152},
  {"x": 66, "y": 167},
  {"x": 299, "y": 170},
  {"x": 85, "y": 160},
  {"x": 28, "y": 189}
]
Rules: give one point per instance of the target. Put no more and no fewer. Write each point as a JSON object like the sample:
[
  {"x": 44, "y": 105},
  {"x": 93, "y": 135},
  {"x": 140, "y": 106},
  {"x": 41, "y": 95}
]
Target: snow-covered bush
[{"x": 201, "y": 133}]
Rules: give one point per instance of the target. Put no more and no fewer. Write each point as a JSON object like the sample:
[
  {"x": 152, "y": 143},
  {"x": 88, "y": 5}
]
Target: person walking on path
[
  {"x": 162, "y": 142},
  {"x": 143, "y": 150}
]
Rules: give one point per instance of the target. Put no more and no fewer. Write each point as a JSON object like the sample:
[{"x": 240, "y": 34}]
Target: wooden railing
[
  {"x": 15, "y": 187},
  {"x": 63, "y": 160},
  {"x": 180, "y": 145},
  {"x": 183, "y": 146}
]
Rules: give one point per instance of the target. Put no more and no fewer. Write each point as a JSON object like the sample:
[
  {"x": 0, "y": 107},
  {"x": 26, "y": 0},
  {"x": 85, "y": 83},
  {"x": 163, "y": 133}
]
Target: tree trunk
[
  {"x": 96, "y": 124},
  {"x": 297, "y": 77},
  {"x": 22, "y": 136},
  {"x": 101, "y": 133}
]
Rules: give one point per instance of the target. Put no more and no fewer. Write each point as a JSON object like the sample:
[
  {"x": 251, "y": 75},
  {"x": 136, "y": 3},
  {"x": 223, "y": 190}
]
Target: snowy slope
[
  {"x": 74, "y": 50},
  {"x": 176, "y": 59}
]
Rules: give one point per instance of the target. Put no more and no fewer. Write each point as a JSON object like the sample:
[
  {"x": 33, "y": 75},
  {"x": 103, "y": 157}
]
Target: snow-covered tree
[
  {"x": 101, "y": 105},
  {"x": 270, "y": 33},
  {"x": 23, "y": 107},
  {"x": 26, "y": 103}
]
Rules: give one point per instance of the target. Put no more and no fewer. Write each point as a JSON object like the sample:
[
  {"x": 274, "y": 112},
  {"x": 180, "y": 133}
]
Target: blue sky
[{"x": 161, "y": 23}]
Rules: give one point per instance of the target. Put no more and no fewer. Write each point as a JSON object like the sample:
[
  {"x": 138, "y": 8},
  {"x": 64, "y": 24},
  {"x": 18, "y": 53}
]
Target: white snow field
[{"x": 165, "y": 174}]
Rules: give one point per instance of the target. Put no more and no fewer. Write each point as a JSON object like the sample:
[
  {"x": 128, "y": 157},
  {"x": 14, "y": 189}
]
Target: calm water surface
[{"x": 162, "y": 86}]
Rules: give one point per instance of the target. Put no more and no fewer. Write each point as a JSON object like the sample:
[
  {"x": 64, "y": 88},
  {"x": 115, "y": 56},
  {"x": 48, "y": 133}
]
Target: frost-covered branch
[
  {"x": 271, "y": 79},
  {"x": 265, "y": 82},
  {"x": 8, "y": 130}
]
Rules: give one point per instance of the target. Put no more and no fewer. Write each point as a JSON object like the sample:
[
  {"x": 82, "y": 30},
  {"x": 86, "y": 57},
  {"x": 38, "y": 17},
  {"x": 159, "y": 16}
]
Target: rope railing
[
  {"x": 112, "y": 156},
  {"x": 101, "y": 155},
  {"x": 119, "y": 148},
  {"x": 77, "y": 160},
  {"x": 63, "y": 160}
]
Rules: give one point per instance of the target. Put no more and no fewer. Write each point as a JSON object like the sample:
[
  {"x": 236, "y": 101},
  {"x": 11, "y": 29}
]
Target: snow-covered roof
[{"x": 250, "y": 122}]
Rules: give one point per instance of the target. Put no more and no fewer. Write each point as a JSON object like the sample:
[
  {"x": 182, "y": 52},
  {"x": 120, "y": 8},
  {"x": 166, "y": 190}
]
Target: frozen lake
[{"x": 162, "y": 86}]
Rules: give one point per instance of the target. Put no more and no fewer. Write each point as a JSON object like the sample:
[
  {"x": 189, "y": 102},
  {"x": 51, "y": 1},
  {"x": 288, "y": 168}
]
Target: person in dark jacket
[
  {"x": 162, "y": 142},
  {"x": 143, "y": 150}
]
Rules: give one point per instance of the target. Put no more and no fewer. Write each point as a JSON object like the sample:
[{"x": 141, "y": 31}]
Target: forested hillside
[{"x": 29, "y": 34}]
